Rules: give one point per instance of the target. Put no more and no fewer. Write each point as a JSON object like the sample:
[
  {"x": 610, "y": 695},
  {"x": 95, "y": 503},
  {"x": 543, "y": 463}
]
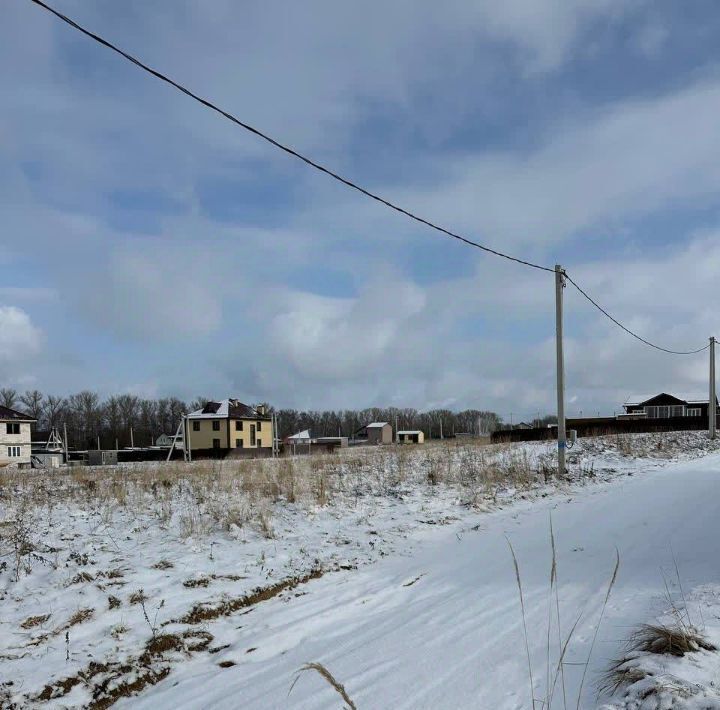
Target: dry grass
[
  {"x": 329, "y": 678},
  {"x": 33, "y": 621},
  {"x": 205, "y": 497},
  {"x": 668, "y": 640},
  {"x": 552, "y": 678},
  {"x": 524, "y": 623},
  {"x": 658, "y": 639}
]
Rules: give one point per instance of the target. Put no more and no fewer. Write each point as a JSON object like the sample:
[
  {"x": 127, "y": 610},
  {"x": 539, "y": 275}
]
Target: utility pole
[
  {"x": 65, "y": 442},
  {"x": 132, "y": 439},
  {"x": 712, "y": 409},
  {"x": 561, "y": 440},
  {"x": 188, "y": 445}
]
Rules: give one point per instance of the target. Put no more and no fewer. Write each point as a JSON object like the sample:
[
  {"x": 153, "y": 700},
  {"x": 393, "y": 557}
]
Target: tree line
[{"x": 87, "y": 416}]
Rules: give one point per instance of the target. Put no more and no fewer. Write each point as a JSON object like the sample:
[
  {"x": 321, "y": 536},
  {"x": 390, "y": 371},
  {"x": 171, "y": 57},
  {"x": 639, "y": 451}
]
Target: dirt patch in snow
[{"x": 203, "y": 612}]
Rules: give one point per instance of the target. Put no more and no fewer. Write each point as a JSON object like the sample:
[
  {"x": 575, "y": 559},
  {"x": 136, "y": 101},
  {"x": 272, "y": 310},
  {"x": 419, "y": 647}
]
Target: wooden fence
[{"x": 600, "y": 426}]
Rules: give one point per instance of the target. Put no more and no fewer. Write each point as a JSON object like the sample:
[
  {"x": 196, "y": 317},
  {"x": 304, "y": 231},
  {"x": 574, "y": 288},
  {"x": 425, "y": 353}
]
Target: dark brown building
[{"x": 665, "y": 406}]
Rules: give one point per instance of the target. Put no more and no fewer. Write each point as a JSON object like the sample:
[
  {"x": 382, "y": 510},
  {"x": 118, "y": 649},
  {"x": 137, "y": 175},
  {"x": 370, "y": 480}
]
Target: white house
[
  {"x": 302, "y": 438},
  {"x": 414, "y": 436},
  {"x": 15, "y": 437}
]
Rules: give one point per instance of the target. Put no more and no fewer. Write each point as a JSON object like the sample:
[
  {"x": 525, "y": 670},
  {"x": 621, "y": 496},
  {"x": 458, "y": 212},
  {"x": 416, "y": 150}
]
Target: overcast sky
[{"x": 149, "y": 246}]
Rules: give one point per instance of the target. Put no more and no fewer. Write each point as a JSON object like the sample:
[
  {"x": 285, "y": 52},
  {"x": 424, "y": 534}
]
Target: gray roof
[{"x": 12, "y": 414}]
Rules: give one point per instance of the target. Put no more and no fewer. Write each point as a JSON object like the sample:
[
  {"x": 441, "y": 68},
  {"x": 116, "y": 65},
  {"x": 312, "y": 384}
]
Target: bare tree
[
  {"x": 53, "y": 410},
  {"x": 8, "y": 397},
  {"x": 85, "y": 416},
  {"x": 33, "y": 402}
]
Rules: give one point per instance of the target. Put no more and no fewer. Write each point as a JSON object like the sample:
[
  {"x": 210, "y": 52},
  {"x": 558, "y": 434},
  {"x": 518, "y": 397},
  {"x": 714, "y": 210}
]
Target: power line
[
  {"x": 282, "y": 146},
  {"x": 630, "y": 332},
  {"x": 340, "y": 178}
]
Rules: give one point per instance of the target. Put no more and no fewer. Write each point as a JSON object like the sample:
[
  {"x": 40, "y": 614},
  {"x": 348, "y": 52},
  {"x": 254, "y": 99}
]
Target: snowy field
[{"x": 209, "y": 585}]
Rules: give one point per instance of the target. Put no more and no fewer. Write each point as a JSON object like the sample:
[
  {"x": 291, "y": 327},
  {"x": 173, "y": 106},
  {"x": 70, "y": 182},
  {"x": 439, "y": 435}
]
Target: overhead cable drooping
[
  {"x": 282, "y": 146},
  {"x": 340, "y": 178},
  {"x": 630, "y": 332}
]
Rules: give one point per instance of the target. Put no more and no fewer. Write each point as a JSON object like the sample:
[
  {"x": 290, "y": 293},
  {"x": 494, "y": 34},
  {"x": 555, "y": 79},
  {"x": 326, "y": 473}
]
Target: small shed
[
  {"x": 411, "y": 437},
  {"x": 379, "y": 433}
]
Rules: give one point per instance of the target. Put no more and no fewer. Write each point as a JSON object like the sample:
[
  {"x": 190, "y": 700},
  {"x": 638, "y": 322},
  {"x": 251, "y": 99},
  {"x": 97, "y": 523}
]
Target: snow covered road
[{"x": 441, "y": 627}]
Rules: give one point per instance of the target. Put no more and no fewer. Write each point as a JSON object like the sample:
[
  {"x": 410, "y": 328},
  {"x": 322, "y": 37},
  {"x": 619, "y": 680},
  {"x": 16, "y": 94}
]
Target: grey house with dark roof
[
  {"x": 15, "y": 437},
  {"x": 665, "y": 405}
]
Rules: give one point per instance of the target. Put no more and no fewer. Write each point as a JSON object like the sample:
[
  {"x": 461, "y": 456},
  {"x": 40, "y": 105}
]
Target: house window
[
  {"x": 238, "y": 425},
  {"x": 13, "y": 428},
  {"x": 693, "y": 412},
  {"x": 216, "y": 425},
  {"x": 238, "y": 443},
  {"x": 13, "y": 451},
  {"x": 196, "y": 426},
  {"x": 216, "y": 443},
  {"x": 252, "y": 435},
  {"x": 259, "y": 426},
  {"x": 665, "y": 411}
]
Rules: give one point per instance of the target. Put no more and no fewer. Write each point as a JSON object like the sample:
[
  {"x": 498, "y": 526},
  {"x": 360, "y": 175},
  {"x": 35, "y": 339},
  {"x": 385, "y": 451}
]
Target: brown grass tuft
[
  {"x": 33, "y": 621},
  {"x": 138, "y": 597},
  {"x": 163, "y": 564},
  {"x": 80, "y": 616},
  {"x": 162, "y": 643},
  {"x": 658, "y": 639},
  {"x": 668, "y": 640}
]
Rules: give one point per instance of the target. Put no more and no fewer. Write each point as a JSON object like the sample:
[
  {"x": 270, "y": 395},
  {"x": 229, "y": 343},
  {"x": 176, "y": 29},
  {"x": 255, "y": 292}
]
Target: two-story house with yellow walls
[
  {"x": 220, "y": 427},
  {"x": 15, "y": 437}
]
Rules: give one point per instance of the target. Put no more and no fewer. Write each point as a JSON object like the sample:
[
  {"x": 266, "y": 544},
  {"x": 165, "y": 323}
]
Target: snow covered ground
[{"x": 210, "y": 586}]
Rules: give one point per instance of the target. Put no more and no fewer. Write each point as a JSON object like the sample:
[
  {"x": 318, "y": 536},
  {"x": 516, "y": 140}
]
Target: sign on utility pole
[
  {"x": 561, "y": 440},
  {"x": 712, "y": 409}
]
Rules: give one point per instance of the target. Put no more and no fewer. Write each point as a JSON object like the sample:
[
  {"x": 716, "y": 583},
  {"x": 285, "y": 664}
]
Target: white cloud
[
  {"x": 329, "y": 338},
  {"x": 592, "y": 171},
  {"x": 19, "y": 338},
  {"x": 145, "y": 293}
]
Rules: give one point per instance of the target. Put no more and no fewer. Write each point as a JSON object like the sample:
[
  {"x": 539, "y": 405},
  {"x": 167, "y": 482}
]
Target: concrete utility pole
[
  {"x": 712, "y": 409},
  {"x": 561, "y": 440},
  {"x": 188, "y": 445}
]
